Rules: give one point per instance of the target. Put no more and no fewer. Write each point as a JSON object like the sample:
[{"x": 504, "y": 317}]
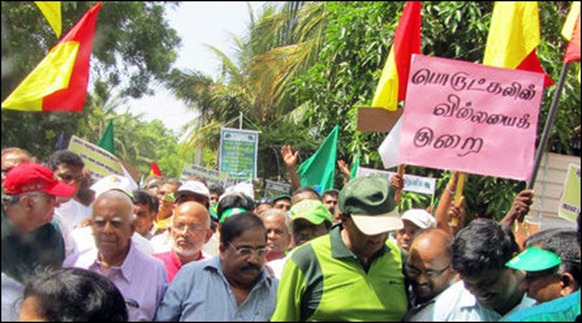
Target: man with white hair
[
  {"x": 189, "y": 232},
  {"x": 141, "y": 279}
]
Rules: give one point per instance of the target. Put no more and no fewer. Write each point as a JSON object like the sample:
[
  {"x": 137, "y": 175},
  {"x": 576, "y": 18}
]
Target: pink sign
[{"x": 470, "y": 117}]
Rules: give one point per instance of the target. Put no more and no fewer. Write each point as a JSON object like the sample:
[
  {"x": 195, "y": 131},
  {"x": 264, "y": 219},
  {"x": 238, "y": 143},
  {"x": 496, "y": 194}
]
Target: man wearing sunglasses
[{"x": 230, "y": 286}]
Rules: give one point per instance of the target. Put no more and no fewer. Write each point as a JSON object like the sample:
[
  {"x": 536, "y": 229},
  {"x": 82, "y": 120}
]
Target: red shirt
[{"x": 173, "y": 264}]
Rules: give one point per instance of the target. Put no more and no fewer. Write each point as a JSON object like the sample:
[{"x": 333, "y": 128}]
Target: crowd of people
[{"x": 76, "y": 249}]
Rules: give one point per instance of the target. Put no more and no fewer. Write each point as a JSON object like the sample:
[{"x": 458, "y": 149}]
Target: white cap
[
  {"x": 195, "y": 187},
  {"x": 112, "y": 182},
  {"x": 420, "y": 217}
]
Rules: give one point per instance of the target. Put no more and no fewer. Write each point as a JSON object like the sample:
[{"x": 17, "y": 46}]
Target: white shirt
[
  {"x": 456, "y": 303},
  {"x": 12, "y": 293},
  {"x": 67, "y": 216}
]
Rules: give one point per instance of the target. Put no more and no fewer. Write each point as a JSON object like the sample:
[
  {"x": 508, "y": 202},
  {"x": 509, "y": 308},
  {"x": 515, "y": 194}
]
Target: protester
[
  {"x": 68, "y": 168},
  {"x": 278, "y": 233},
  {"x": 141, "y": 279},
  {"x": 282, "y": 202},
  {"x": 329, "y": 199},
  {"x": 552, "y": 269},
  {"x": 193, "y": 190},
  {"x": 263, "y": 204},
  {"x": 165, "y": 194},
  {"x": 488, "y": 290},
  {"x": 29, "y": 239},
  {"x": 72, "y": 295},
  {"x": 83, "y": 235},
  {"x": 561, "y": 309},
  {"x": 429, "y": 271},
  {"x": 189, "y": 231},
  {"x": 145, "y": 208},
  {"x": 216, "y": 191},
  {"x": 14, "y": 156},
  {"x": 414, "y": 220},
  {"x": 354, "y": 273},
  {"x": 231, "y": 286}
]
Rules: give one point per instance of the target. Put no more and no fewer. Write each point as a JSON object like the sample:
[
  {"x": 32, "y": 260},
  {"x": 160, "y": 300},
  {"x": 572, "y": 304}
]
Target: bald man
[
  {"x": 14, "y": 156},
  {"x": 189, "y": 232},
  {"x": 429, "y": 271}
]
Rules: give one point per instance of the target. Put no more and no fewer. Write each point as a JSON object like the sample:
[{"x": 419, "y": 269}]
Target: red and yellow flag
[
  {"x": 155, "y": 170},
  {"x": 571, "y": 31},
  {"x": 52, "y": 12},
  {"x": 59, "y": 82},
  {"x": 392, "y": 86},
  {"x": 514, "y": 34}
]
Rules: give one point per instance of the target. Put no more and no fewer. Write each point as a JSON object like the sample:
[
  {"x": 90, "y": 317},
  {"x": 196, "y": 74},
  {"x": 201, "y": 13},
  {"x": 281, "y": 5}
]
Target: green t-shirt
[{"x": 324, "y": 281}]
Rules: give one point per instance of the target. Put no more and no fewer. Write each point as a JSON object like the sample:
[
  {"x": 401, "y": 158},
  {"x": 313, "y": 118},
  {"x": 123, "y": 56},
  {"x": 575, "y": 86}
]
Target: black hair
[
  {"x": 235, "y": 225},
  {"x": 216, "y": 188},
  {"x": 483, "y": 244},
  {"x": 76, "y": 295},
  {"x": 302, "y": 189},
  {"x": 332, "y": 192},
  {"x": 142, "y": 196},
  {"x": 564, "y": 243},
  {"x": 64, "y": 156},
  {"x": 234, "y": 200}
]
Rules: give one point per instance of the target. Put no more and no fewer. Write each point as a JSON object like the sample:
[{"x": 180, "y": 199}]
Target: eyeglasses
[
  {"x": 190, "y": 227},
  {"x": 248, "y": 251},
  {"x": 413, "y": 272}
]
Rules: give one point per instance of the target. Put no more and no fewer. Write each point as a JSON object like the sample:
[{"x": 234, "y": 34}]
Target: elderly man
[
  {"x": 278, "y": 233},
  {"x": 429, "y": 271},
  {"x": 141, "y": 279},
  {"x": 189, "y": 232},
  {"x": 353, "y": 273},
  {"x": 231, "y": 286},
  {"x": 29, "y": 240},
  {"x": 488, "y": 290}
]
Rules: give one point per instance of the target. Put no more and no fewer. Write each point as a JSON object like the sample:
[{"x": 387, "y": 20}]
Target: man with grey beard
[{"x": 189, "y": 231}]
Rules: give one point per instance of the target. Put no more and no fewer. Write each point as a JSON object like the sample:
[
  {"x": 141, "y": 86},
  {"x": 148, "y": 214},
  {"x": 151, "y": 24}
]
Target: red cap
[{"x": 33, "y": 177}]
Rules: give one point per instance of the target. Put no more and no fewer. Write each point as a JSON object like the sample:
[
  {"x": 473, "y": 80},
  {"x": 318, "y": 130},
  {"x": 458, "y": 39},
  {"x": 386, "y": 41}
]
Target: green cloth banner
[{"x": 319, "y": 169}]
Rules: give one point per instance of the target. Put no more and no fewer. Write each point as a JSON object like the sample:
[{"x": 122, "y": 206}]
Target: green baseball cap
[
  {"x": 282, "y": 196},
  {"x": 370, "y": 202},
  {"x": 311, "y": 210},
  {"x": 534, "y": 259}
]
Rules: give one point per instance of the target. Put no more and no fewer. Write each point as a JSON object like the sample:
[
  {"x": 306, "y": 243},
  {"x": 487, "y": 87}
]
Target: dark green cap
[{"x": 370, "y": 202}]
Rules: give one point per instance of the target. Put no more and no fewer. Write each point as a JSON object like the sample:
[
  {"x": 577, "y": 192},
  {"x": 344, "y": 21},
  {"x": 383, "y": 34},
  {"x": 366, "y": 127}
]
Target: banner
[
  {"x": 210, "y": 175},
  {"x": 274, "y": 189},
  {"x": 570, "y": 201},
  {"x": 99, "y": 161},
  {"x": 238, "y": 153},
  {"x": 470, "y": 118},
  {"x": 412, "y": 183}
]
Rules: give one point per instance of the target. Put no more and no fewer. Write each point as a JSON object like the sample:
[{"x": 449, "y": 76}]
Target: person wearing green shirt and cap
[{"x": 354, "y": 273}]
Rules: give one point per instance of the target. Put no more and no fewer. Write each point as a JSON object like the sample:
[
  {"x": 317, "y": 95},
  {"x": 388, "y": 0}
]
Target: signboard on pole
[
  {"x": 274, "y": 189},
  {"x": 470, "y": 117},
  {"x": 412, "y": 183},
  {"x": 570, "y": 201},
  {"x": 210, "y": 175},
  {"x": 238, "y": 153}
]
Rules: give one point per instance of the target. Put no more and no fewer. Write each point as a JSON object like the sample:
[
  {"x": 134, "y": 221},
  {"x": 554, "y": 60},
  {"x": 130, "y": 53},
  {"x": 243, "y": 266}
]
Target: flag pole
[{"x": 546, "y": 133}]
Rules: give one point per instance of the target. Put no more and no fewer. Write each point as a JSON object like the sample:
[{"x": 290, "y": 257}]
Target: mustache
[{"x": 251, "y": 267}]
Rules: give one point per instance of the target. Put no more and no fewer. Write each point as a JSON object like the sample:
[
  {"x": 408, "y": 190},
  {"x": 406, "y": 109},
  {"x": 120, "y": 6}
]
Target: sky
[{"x": 198, "y": 24}]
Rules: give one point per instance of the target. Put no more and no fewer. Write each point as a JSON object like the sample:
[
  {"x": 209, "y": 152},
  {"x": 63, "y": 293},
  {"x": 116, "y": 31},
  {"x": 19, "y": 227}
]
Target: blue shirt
[
  {"x": 200, "y": 292},
  {"x": 563, "y": 309}
]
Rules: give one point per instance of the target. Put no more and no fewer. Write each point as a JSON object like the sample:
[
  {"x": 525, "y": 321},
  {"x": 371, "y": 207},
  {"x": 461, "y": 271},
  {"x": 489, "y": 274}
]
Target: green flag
[
  {"x": 354, "y": 171},
  {"x": 319, "y": 169},
  {"x": 106, "y": 141}
]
